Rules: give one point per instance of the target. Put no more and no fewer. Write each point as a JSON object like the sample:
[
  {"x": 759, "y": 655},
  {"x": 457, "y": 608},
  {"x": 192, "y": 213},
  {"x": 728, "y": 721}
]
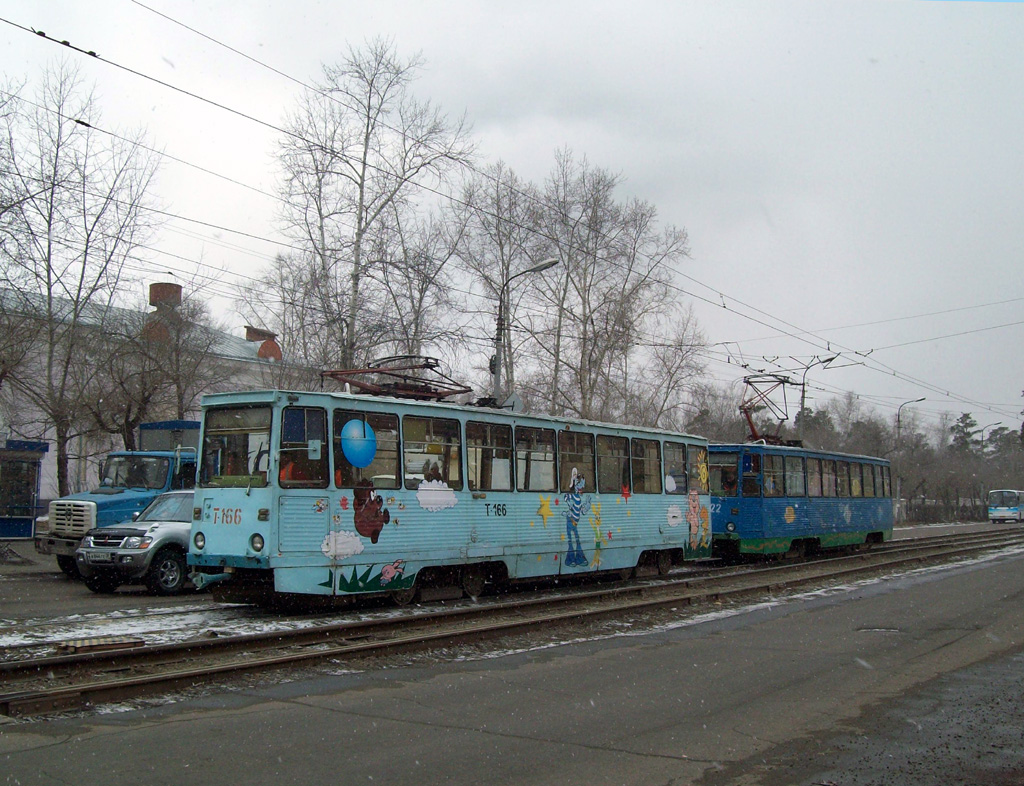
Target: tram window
[
  {"x": 842, "y": 478},
  {"x": 303, "y": 460},
  {"x": 813, "y": 477},
  {"x": 723, "y": 474},
  {"x": 886, "y": 483},
  {"x": 752, "y": 475},
  {"x": 869, "y": 480},
  {"x": 856, "y": 486},
  {"x": 879, "y": 484},
  {"x": 646, "y": 461},
  {"x": 612, "y": 464},
  {"x": 535, "y": 459},
  {"x": 795, "y": 476},
  {"x": 675, "y": 468},
  {"x": 365, "y": 449},
  {"x": 489, "y": 456},
  {"x": 575, "y": 452},
  {"x": 432, "y": 451},
  {"x": 236, "y": 447},
  {"x": 697, "y": 468},
  {"x": 828, "y": 478},
  {"x": 774, "y": 475}
]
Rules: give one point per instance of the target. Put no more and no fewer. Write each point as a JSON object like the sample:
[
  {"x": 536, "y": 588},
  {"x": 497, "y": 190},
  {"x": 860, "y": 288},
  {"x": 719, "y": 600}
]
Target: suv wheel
[
  {"x": 166, "y": 574},
  {"x": 68, "y": 566},
  {"x": 103, "y": 583}
]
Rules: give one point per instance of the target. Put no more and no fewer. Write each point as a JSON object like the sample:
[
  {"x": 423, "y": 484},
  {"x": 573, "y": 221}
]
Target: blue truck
[{"x": 128, "y": 482}]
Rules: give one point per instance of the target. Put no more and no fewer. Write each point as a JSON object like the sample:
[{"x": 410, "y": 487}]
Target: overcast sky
[{"x": 849, "y": 171}]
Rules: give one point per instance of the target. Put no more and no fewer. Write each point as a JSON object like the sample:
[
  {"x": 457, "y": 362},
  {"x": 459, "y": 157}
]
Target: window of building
[
  {"x": 676, "y": 481},
  {"x": 489, "y": 456},
  {"x": 303, "y": 462},
  {"x": 612, "y": 464},
  {"x": 723, "y": 469},
  {"x": 646, "y": 454},
  {"x": 432, "y": 451},
  {"x": 575, "y": 452},
  {"x": 365, "y": 449},
  {"x": 535, "y": 459}
]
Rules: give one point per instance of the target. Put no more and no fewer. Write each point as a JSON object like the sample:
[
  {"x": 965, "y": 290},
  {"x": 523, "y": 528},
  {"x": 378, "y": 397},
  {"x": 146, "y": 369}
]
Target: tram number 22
[
  {"x": 227, "y": 515},
  {"x": 496, "y": 509}
]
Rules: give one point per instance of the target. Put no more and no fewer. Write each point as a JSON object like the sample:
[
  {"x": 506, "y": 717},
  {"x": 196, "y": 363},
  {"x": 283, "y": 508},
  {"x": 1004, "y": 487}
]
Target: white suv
[{"x": 150, "y": 549}]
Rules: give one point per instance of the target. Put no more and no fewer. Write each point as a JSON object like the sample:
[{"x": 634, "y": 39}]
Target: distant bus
[{"x": 1005, "y": 505}]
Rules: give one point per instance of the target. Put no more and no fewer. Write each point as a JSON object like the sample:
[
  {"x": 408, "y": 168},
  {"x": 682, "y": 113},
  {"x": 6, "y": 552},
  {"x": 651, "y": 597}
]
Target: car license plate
[{"x": 99, "y": 556}]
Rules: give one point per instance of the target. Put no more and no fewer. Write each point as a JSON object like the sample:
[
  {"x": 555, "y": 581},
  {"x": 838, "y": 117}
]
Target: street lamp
[
  {"x": 499, "y": 333},
  {"x": 899, "y": 469}
]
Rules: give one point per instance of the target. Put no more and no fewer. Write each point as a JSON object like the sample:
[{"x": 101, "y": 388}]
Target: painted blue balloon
[{"x": 358, "y": 443}]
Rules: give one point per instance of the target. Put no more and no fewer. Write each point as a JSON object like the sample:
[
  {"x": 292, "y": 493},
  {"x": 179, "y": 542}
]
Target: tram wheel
[
  {"x": 473, "y": 580},
  {"x": 664, "y": 562},
  {"x": 403, "y": 597}
]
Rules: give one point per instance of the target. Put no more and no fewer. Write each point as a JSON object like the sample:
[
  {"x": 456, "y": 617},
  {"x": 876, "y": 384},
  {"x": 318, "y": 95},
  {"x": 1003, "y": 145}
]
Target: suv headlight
[
  {"x": 137, "y": 542},
  {"x": 87, "y": 542}
]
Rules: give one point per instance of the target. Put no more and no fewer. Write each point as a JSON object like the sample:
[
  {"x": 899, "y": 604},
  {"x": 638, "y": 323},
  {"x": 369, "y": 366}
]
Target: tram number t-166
[
  {"x": 496, "y": 509},
  {"x": 227, "y": 515}
]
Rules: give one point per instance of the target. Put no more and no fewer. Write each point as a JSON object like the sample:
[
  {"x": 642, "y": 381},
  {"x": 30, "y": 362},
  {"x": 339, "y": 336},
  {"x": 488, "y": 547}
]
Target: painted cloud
[
  {"x": 340, "y": 545},
  {"x": 434, "y": 495}
]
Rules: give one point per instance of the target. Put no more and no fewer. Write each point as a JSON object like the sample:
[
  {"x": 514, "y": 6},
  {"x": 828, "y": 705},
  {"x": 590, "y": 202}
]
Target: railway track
[{"x": 35, "y": 685}]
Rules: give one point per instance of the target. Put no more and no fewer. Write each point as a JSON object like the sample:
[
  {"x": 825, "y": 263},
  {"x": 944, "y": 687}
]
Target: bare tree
[
  {"x": 356, "y": 150},
  {"x": 79, "y": 214},
  {"x": 609, "y": 291}
]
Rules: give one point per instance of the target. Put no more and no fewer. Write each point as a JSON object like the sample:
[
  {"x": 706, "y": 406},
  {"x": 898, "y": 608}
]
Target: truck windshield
[
  {"x": 236, "y": 447},
  {"x": 134, "y": 472}
]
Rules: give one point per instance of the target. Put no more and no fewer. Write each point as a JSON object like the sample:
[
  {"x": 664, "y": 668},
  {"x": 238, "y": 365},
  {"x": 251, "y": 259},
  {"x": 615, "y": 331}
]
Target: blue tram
[
  {"x": 343, "y": 494},
  {"x": 773, "y": 499}
]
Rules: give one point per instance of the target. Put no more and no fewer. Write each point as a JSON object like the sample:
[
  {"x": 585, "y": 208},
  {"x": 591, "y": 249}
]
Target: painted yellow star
[{"x": 545, "y": 511}]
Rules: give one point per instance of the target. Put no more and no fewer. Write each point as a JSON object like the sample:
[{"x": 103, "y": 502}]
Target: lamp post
[
  {"x": 499, "y": 333},
  {"x": 899, "y": 469}
]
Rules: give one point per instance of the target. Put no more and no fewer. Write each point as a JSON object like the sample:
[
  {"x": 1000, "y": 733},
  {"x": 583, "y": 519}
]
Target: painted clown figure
[{"x": 574, "y": 556}]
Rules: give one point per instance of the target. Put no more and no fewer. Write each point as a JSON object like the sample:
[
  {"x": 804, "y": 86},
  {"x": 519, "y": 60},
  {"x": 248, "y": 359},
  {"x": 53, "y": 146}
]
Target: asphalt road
[{"x": 911, "y": 680}]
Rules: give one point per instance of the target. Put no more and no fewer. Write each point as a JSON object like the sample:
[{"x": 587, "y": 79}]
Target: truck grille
[{"x": 71, "y": 517}]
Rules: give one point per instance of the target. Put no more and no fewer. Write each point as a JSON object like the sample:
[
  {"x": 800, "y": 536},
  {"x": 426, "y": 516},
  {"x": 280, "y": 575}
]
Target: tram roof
[
  {"x": 798, "y": 449},
  {"x": 274, "y": 396}
]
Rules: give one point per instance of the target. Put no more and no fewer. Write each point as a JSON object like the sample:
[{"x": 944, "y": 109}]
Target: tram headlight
[
  {"x": 730, "y": 527},
  {"x": 256, "y": 542},
  {"x": 199, "y": 541}
]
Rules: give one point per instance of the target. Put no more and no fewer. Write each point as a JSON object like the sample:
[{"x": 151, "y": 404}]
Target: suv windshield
[
  {"x": 144, "y": 472},
  {"x": 169, "y": 507}
]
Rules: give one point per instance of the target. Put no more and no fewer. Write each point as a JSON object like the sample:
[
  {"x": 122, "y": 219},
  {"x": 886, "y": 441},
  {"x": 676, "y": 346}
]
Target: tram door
[
  {"x": 303, "y": 471},
  {"x": 489, "y": 466}
]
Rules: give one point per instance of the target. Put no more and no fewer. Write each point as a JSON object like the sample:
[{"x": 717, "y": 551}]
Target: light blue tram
[
  {"x": 342, "y": 494},
  {"x": 774, "y": 499}
]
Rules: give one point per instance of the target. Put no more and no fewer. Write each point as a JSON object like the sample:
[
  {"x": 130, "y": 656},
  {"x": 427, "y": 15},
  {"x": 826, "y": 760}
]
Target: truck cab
[{"x": 129, "y": 481}]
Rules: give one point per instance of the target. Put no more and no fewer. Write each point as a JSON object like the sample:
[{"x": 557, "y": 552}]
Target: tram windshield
[{"x": 236, "y": 447}]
